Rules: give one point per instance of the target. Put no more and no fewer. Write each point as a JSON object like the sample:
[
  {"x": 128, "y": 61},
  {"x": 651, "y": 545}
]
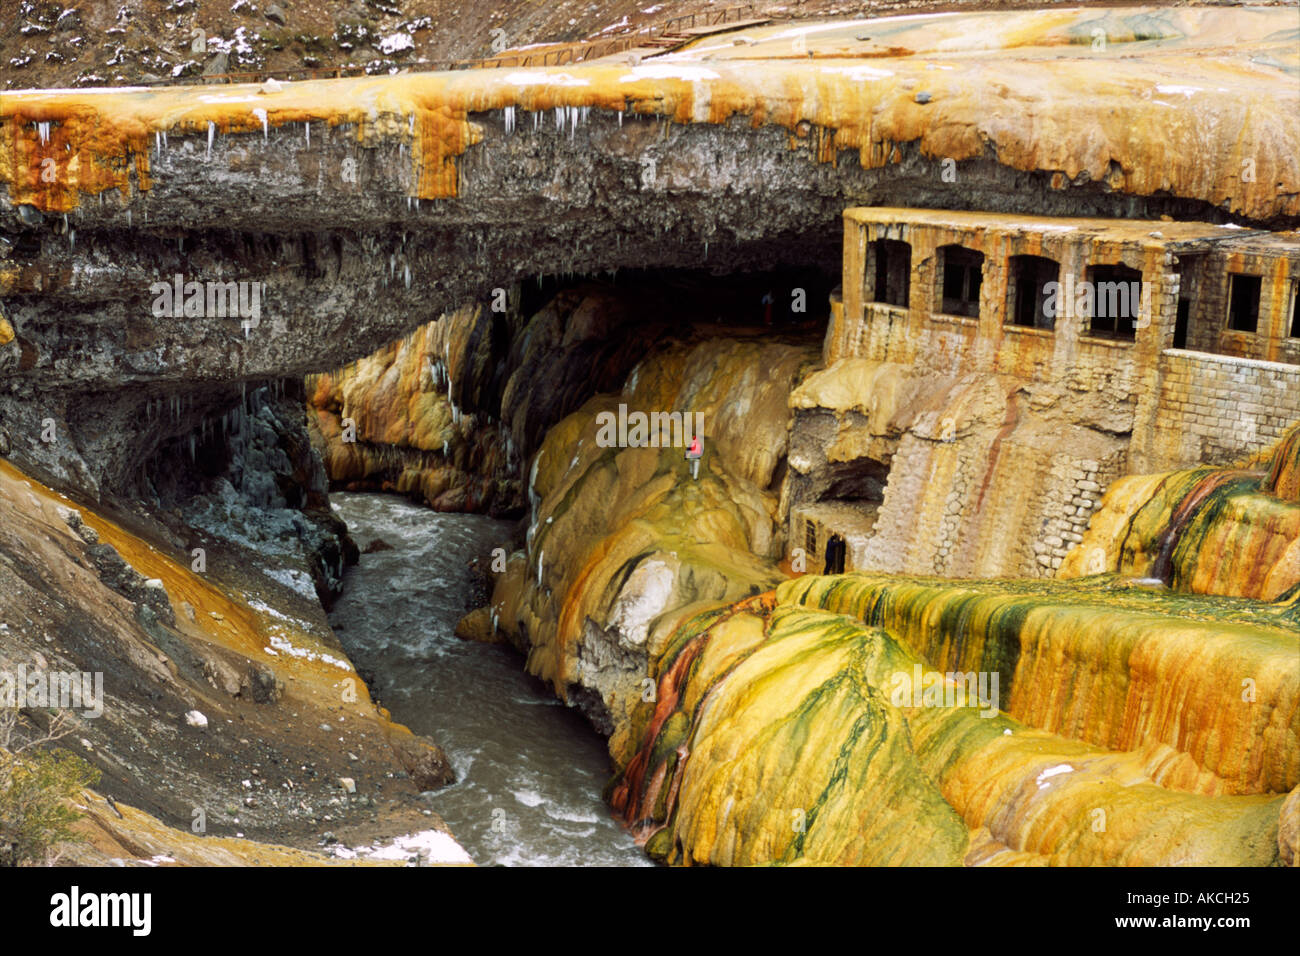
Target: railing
[
  {"x": 572, "y": 53},
  {"x": 709, "y": 18}
]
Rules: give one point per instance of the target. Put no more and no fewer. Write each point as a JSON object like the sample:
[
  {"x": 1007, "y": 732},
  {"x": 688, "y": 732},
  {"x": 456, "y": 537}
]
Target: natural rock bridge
[{"x": 366, "y": 207}]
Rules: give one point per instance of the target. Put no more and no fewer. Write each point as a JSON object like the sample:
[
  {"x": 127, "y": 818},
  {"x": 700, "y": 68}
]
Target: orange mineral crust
[{"x": 1196, "y": 102}]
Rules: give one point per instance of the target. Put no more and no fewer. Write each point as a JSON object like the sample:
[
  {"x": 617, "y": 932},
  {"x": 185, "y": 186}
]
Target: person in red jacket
[{"x": 694, "y": 452}]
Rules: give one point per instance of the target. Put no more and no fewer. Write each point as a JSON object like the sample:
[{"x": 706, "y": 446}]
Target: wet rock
[
  {"x": 477, "y": 626},
  {"x": 377, "y": 545},
  {"x": 30, "y": 215},
  {"x": 261, "y": 684},
  {"x": 425, "y": 762},
  {"x": 125, "y": 580}
]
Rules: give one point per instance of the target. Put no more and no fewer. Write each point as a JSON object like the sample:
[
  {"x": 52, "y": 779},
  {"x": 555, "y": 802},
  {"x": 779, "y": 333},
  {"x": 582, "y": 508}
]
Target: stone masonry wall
[{"x": 1216, "y": 409}]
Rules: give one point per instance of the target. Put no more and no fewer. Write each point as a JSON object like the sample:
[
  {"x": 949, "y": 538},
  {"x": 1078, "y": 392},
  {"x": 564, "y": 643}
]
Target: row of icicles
[{"x": 232, "y": 422}]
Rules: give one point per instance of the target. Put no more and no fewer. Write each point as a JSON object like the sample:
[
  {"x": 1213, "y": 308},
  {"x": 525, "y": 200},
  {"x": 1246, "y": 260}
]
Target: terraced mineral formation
[
  {"x": 780, "y": 735},
  {"x": 1204, "y": 531}
]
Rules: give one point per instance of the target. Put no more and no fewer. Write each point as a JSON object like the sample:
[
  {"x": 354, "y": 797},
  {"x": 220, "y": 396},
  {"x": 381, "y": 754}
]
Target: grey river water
[{"x": 529, "y": 771}]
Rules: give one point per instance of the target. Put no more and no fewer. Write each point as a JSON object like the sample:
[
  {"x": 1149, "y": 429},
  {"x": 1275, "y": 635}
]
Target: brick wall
[{"x": 1216, "y": 409}]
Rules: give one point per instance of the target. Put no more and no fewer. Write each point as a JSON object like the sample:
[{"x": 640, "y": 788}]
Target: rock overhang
[{"x": 1191, "y": 102}]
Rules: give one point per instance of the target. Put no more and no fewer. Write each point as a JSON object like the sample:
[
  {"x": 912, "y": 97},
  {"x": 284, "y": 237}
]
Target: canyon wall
[{"x": 224, "y": 707}]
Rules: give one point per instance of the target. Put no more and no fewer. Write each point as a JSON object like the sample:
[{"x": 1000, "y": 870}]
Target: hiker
[{"x": 694, "y": 453}]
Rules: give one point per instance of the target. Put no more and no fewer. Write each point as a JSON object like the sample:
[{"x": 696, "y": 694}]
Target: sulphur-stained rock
[
  {"x": 387, "y": 423},
  {"x": 781, "y": 733},
  {"x": 622, "y": 540},
  {"x": 218, "y": 710},
  {"x": 767, "y": 746},
  {"x": 1288, "y": 830},
  {"x": 1221, "y": 531},
  {"x": 1213, "y": 682},
  {"x": 479, "y": 625}
]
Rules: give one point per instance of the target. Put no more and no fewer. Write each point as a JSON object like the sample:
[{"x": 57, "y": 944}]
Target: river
[{"x": 529, "y": 771}]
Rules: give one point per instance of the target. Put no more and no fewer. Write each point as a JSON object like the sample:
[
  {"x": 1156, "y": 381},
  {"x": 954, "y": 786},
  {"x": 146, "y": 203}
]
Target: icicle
[
  {"x": 540, "y": 556},
  {"x": 559, "y": 118},
  {"x": 191, "y": 448},
  {"x": 43, "y": 129},
  {"x": 164, "y": 140},
  {"x": 411, "y": 122},
  {"x": 620, "y": 119},
  {"x": 510, "y": 120},
  {"x": 72, "y": 238},
  {"x": 157, "y": 143},
  {"x": 444, "y": 449},
  {"x": 406, "y": 274},
  {"x": 261, "y": 114},
  {"x": 306, "y": 131},
  {"x": 212, "y": 132}
]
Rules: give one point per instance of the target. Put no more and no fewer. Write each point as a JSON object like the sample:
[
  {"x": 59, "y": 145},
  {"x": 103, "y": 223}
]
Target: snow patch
[
  {"x": 545, "y": 79},
  {"x": 432, "y": 846},
  {"x": 666, "y": 71},
  {"x": 395, "y": 44},
  {"x": 299, "y": 581}
]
